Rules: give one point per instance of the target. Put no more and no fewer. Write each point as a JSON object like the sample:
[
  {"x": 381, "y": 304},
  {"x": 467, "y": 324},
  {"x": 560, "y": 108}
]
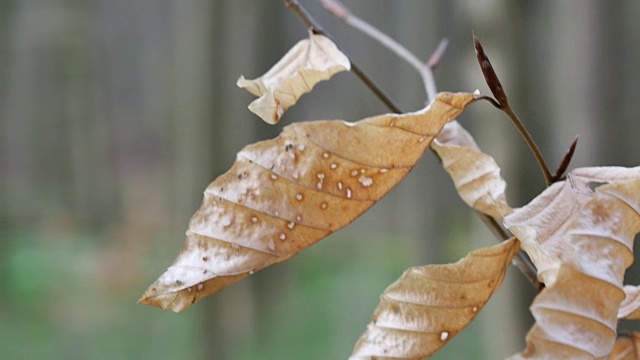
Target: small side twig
[
  {"x": 344, "y": 14},
  {"x": 564, "y": 163},
  {"x": 437, "y": 54},
  {"x": 495, "y": 86},
  {"x": 310, "y": 23}
]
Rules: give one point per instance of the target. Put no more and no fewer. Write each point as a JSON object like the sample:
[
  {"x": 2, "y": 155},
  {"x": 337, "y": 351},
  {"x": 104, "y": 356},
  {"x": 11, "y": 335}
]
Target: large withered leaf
[
  {"x": 627, "y": 347},
  {"x": 576, "y": 314},
  {"x": 307, "y": 63},
  {"x": 475, "y": 174},
  {"x": 285, "y": 194},
  {"x": 542, "y": 225},
  {"x": 428, "y": 305}
]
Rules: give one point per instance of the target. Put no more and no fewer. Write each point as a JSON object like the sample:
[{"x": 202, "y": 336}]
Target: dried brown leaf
[
  {"x": 307, "y": 63},
  {"x": 630, "y": 307},
  {"x": 285, "y": 194},
  {"x": 627, "y": 347},
  {"x": 576, "y": 314},
  {"x": 428, "y": 305},
  {"x": 475, "y": 174},
  {"x": 542, "y": 226}
]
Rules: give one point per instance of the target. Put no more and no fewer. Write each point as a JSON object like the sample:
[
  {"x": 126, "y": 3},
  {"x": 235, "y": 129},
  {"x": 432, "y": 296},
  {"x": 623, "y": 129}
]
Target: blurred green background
[{"x": 116, "y": 114}]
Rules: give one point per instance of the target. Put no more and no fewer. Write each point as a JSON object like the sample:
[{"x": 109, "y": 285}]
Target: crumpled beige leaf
[
  {"x": 630, "y": 307},
  {"x": 542, "y": 225},
  {"x": 428, "y": 305},
  {"x": 627, "y": 347},
  {"x": 576, "y": 314},
  {"x": 285, "y": 194},
  {"x": 307, "y": 63},
  {"x": 475, "y": 174}
]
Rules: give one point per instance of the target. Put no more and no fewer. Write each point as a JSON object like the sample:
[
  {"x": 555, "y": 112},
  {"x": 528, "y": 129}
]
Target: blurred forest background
[{"x": 116, "y": 114}]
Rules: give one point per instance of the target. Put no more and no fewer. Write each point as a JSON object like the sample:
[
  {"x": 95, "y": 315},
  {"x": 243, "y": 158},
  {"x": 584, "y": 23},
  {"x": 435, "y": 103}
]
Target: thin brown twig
[
  {"x": 310, "y": 23},
  {"x": 344, "y": 14},
  {"x": 437, "y": 54},
  {"x": 521, "y": 261}
]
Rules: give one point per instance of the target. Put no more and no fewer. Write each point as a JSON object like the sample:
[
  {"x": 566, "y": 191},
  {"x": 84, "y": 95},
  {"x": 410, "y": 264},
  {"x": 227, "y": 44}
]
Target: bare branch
[{"x": 343, "y": 13}]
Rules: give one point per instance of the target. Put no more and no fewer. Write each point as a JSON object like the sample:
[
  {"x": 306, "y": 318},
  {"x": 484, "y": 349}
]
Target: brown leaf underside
[
  {"x": 285, "y": 194},
  {"x": 420, "y": 312}
]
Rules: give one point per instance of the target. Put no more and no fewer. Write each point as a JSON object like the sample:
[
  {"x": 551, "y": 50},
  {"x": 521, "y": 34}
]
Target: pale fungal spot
[
  {"x": 301, "y": 147},
  {"x": 271, "y": 245},
  {"x": 339, "y": 185},
  {"x": 299, "y": 196},
  {"x": 295, "y": 176},
  {"x": 199, "y": 287},
  {"x": 348, "y": 193},
  {"x": 365, "y": 181},
  {"x": 321, "y": 177},
  {"x": 189, "y": 289},
  {"x": 283, "y": 236},
  {"x": 362, "y": 171},
  {"x": 392, "y": 123},
  {"x": 334, "y": 165},
  {"x": 226, "y": 222},
  {"x": 254, "y": 219},
  {"x": 244, "y": 191},
  {"x": 475, "y": 309},
  {"x": 354, "y": 172},
  {"x": 422, "y": 139},
  {"x": 291, "y": 225},
  {"x": 325, "y": 155},
  {"x": 276, "y": 213},
  {"x": 323, "y": 205},
  {"x": 251, "y": 272},
  {"x": 444, "y": 335},
  {"x": 274, "y": 177},
  {"x": 384, "y": 170},
  {"x": 299, "y": 219}
]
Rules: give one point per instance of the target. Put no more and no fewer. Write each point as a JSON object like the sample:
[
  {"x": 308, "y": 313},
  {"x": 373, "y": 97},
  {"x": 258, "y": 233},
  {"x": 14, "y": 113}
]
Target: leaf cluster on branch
[{"x": 285, "y": 194}]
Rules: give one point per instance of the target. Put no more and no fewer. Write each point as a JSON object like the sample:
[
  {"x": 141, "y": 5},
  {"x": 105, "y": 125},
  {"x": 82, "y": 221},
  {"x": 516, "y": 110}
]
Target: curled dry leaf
[
  {"x": 576, "y": 314},
  {"x": 424, "y": 309},
  {"x": 475, "y": 174},
  {"x": 630, "y": 307},
  {"x": 627, "y": 347},
  {"x": 542, "y": 226},
  {"x": 307, "y": 63},
  {"x": 285, "y": 194}
]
